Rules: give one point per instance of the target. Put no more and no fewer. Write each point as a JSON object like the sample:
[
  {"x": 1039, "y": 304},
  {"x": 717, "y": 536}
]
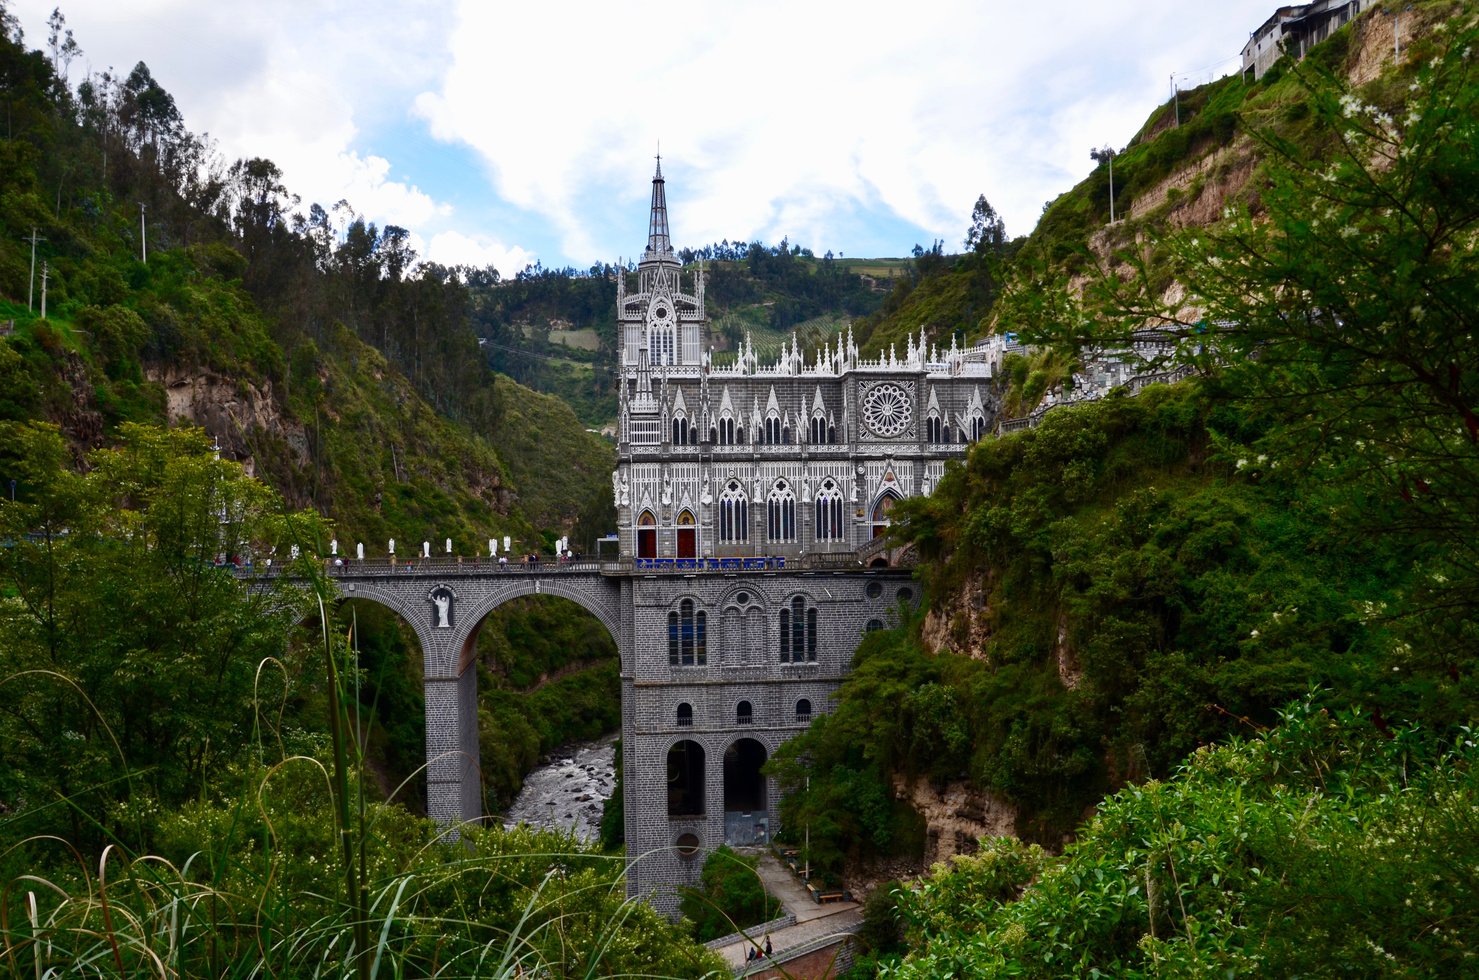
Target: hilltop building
[{"x": 1294, "y": 30}]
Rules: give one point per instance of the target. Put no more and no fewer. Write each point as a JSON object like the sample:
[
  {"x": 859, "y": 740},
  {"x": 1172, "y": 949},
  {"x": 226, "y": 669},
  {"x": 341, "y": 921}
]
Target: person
[
  {"x": 502, "y": 563},
  {"x": 767, "y": 944},
  {"x": 750, "y": 955}
]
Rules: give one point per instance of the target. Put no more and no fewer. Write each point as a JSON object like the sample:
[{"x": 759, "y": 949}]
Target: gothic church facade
[{"x": 749, "y": 496}]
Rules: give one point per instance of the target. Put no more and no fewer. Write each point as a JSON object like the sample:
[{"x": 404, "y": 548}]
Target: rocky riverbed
[{"x": 568, "y": 791}]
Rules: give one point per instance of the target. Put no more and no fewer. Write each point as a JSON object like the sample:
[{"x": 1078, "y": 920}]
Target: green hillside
[
  {"x": 1140, "y": 578},
  {"x": 311, "y": 347}
]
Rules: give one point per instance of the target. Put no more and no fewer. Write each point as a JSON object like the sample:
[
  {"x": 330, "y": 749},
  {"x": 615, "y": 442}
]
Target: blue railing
[{"x": 707, "y": 564}]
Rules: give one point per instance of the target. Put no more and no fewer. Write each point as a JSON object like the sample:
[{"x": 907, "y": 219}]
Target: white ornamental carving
[{"x": 887, "y": 410}]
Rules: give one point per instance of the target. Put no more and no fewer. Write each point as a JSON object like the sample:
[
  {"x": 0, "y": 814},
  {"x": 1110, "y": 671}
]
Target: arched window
[
  {"x": 680, "y": 431},
  {"x": 828, "y": 523},
  {"x": 932, "y": 428},
  {"x": 780, "y": 513},
  {"x": 874, "y": 625},
  {"x": 647, "y": 535},
  {"x": 744, "y": 713},
  {"x": 798, "y": 632},
  {"x": 686, "y": 779},
  {"x": 734, "y": 513},
  {"x": 881, "y": 510},
  {"x": 773, "y": 430},
  {"x": 688, "y": 636},
  {"x": 803, "y": 712},
  {"x": 818, "y": 429},
  {"x": 685, "y": 715},
  {"x": 832, "y": 434},
  {"x": 726, "y": 431},
  {"x": 978, "y": 428},
  {"x": 686, "y": 535}
]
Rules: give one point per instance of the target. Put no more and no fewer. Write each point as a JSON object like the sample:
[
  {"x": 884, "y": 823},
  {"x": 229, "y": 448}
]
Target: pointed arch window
[
  {"x": 780, "y": 513},
  {"x": 881, "y": 511},
  {"x": 828, "y": 517},
  {"x": 978, "y": 428},
  {"x": 933, "y": 428},
  {"x": 798, "y": 632},
  {"x": 818, "y": 429},
  {"x": 647, "y": 535},
  {"x": 772, "y": 430},
  {"x": 680, "y": 431},
  {"x": 688, "y": 641},
  {"x": 726, "y": 431},
  {"x": 734, "y": 513}
]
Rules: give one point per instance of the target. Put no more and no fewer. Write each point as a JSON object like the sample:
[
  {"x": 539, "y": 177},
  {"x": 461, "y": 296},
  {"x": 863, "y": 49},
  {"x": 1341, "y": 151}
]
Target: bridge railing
[{"x": 442, "y": 567}]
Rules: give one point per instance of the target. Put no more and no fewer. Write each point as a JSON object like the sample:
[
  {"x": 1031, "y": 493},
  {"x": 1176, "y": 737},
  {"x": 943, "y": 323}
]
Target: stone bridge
[
  {"x": 722, "y": 660},
  {"x": 446, "y": 601}
]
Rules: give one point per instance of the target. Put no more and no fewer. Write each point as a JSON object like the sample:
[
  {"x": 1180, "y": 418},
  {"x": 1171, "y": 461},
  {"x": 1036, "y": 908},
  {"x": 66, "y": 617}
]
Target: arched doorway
[
  {"x": 687, "y": 535},
  {"x": 881, "y": 511},
  {"x": 686, "y": 779},
  {"x": 746, "y": 820},
  {"x": 647, "y": 535}
]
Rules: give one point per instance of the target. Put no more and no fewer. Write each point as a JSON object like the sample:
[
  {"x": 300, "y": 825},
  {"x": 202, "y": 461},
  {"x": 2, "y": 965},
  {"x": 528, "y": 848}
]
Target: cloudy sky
[{"x": 507, "y": 132}]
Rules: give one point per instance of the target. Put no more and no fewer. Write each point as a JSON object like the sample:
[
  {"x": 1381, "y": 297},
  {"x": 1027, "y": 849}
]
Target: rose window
[{"x": 886, "y": 410}]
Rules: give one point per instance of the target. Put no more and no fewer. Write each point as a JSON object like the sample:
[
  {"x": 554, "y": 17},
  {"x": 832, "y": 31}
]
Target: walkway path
[{"x": 813, "y": 921}]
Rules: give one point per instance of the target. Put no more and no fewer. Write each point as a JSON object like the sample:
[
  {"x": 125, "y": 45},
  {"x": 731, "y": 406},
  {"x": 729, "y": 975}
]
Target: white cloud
[
  {"x": 791, "y": 115},
  {"x": 455, "y": 248},
  {"x": 289, "y": 81},
  {"x": 811, "y": 120}
]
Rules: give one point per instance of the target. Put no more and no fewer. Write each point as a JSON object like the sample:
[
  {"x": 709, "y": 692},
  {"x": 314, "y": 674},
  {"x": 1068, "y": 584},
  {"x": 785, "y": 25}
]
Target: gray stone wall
[{"x": 751, "y": 671}]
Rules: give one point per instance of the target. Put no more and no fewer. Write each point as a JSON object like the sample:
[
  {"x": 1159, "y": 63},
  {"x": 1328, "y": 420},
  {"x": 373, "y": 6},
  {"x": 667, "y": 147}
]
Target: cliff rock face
[
  {"x": 959, "y": 622},
  {"x": 238, "y": 413},
  {"x": 80, "y": 418},
  {"x": 957, "y": 817}
]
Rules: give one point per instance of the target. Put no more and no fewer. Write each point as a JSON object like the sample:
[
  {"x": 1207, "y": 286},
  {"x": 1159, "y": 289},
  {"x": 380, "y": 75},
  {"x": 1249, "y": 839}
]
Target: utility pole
[
  {"x": 1397, "y": 32},
  {"x": 45, "y": 274},
  {"x": 1176, "y": 98},
  {"x": 31, "y": 286},
  {"x": 143, "y": 236}
]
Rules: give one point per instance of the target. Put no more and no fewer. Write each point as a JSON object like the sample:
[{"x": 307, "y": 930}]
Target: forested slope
[
  {"x": 311, "y": 346},
  {"x": 1141, "y": 577}
]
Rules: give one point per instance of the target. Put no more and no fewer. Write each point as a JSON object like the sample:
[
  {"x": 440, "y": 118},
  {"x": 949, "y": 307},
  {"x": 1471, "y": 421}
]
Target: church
[
  {"x": 752, "y": 499},
  {"x": 803, "y": 456}
]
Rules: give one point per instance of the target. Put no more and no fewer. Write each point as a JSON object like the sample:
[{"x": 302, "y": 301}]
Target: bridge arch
[
  {"x": 446, "y": 606},
  {"x": 598, "y": 597}
]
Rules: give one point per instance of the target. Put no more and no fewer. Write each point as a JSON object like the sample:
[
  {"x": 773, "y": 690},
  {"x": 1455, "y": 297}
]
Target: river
[{"x": 567, "y": 792}]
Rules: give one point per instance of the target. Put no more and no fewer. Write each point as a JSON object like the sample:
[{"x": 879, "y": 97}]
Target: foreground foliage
[
  {"x": 1323, "y": 847},
  {"x": 185, "y": 789}
]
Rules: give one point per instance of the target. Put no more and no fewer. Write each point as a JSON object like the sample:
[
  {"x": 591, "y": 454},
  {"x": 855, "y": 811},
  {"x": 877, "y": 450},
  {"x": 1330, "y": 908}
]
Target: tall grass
[{"x": 299, "y": 875}]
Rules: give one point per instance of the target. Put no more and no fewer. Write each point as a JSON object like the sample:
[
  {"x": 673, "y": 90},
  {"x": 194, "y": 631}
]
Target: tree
[
  {"x": 731, "y": 897},
  {"x": 988, "y": 233},
  {"x": 128, "y": 660}
]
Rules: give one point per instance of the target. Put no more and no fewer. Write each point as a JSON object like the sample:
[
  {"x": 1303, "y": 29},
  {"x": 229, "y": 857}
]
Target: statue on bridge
[{"x": 442, "y": 599}]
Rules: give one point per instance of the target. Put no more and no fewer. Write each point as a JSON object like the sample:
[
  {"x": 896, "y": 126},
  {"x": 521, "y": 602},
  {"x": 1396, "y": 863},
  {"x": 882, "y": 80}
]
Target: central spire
[{"x": 659, "y": 243}]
